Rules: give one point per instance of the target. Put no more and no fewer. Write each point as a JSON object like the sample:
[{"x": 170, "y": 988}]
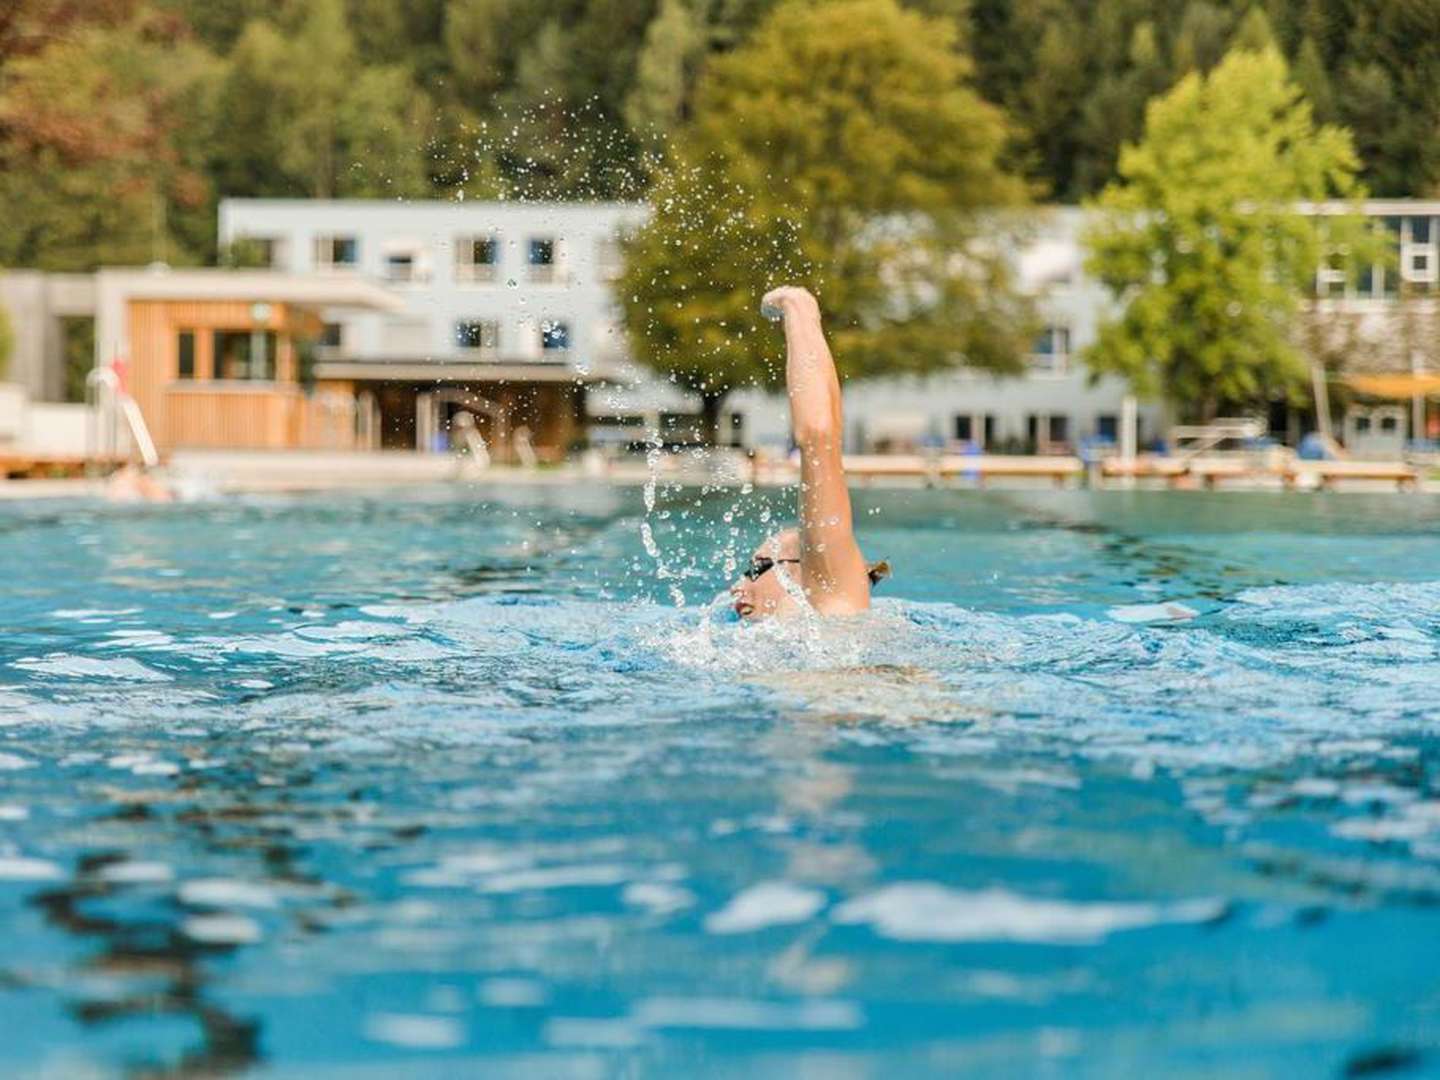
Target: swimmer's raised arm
[{"x": 832, "y": 569}]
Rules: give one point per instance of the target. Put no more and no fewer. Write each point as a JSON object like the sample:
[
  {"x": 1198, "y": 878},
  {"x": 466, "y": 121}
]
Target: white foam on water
[
  {"x": 415, "y": 1031},
  {"x": 93, "y": 613},
  {"x": 769, "y": 903},
  {"x": 926, "y": 911},
  {"x": 136, "y": 872},
  {"x": 155, "y": 768},
  {"x": 13, "y": 762},
  {"x": 222, "y": 929},
  {"x": 1150, "y": 613},
  {"x": 746, "y": 1014},
  {"x": 226, "y": 892},
  {"x": 135, "y": 639},
  {"x": 557, "y": 877},
  {"x": 14, "y": 812},
  {"x": 508, "y": 993},
  {"x": 21, "y": 868},
  {"x": 592, "y": 1031},
  {"x": 66, "y": 666},
  {"x": 658, "y": 897}
]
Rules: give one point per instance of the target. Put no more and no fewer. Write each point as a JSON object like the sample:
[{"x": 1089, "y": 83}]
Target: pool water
[{"x": 477, "y": 781}]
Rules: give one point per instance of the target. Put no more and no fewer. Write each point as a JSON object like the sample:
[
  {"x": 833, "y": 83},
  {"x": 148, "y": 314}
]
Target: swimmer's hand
[{"x": 787, "y": 302}]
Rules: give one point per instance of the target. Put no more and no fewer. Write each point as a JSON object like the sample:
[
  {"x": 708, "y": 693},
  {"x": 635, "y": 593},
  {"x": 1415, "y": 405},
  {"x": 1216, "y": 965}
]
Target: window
[
  {"x": 337, "y": 251},
  {"x": 542, "y": 259},
  {"x": 1362, "y": 423},
  {"x": 252, "y": 252},
  {"x": 186, "y": 366},
  {"x": 1420, "y": 230},
  {"x": 1107, "y": 426},
  {"x": 1418, "y": 265},
  {"x": 332, "y": 335},
  {"x": 554, "y": 336},
  {"x": 1389, "y": 424},
  {"x": 963, "y": 428},
  {"x": 1058, "y": 429},
  {"x": 1051, "y": 351},
  {"x": 477, "y": 259},
  {"x": 243, "y": 354},
  {"x": 400, "y": 266},
  {"x": 477, "y": 334},
  {"x": 1330, "y": 277}
]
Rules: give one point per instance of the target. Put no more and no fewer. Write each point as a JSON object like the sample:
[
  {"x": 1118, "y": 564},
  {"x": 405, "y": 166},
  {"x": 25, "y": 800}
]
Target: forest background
[{"x": 123, "y": 121}]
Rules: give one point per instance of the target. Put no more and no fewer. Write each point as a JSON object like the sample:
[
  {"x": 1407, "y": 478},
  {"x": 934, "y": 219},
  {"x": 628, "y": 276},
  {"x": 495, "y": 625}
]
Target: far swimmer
[{"x": 833, "y": 576}]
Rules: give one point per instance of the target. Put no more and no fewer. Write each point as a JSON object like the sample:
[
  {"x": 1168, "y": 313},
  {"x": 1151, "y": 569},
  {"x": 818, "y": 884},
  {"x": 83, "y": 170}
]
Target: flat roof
[
  {"x": 342, "y": 289},
  {"x": 444, "y": 371}
]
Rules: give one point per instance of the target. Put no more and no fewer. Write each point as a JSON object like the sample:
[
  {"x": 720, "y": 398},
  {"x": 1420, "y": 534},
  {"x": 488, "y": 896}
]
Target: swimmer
[
  {"x": 131, "y": 483},
  {"x": 820, "y": 556}
]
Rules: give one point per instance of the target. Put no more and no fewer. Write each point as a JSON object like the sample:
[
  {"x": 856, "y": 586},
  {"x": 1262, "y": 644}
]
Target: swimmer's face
[{"x": 766, "y": 595}]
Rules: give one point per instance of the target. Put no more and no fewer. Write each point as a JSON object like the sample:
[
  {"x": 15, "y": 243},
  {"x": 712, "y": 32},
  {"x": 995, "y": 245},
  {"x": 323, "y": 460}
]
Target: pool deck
[{"x": 197, "y": 474}]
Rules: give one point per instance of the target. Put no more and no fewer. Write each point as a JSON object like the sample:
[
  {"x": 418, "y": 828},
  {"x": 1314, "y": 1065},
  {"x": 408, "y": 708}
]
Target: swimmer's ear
[{"x": 877, "y": 571}]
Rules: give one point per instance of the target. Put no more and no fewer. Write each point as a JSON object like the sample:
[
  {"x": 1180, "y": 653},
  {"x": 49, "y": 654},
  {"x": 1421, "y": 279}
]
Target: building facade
[
  {"x": 211, "y": 359},
  {"x": 509, "y": 312},
  {"x": 507, "y": 308}
]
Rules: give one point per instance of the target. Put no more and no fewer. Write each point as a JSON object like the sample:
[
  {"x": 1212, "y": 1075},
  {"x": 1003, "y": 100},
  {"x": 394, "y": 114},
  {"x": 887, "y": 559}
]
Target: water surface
[{"x": 473, "y": 781}]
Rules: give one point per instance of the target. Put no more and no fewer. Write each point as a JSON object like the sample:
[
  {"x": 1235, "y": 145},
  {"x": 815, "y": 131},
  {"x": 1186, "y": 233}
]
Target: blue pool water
[{"x": 473, "y": 782}]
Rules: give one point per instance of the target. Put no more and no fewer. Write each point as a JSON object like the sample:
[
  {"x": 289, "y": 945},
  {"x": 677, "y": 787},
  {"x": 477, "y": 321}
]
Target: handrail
[{"x": 111, "y": 399}]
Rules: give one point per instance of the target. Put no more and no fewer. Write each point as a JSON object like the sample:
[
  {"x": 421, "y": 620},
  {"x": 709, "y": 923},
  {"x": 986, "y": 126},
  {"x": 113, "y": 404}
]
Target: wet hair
[{"x": 877, "y": 571}]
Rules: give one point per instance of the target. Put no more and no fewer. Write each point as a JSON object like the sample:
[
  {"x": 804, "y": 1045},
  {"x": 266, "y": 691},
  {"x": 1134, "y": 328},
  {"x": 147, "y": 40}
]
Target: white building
[
  {"x": 507, "y": 304},
  {"x": 506, "y": 295},
  {"x": 1052, "y": 407}
]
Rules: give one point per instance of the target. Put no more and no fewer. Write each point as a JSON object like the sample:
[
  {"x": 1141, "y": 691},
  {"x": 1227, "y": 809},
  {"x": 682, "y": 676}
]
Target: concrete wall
[
  {"x": 35, "y": 302},
  {"x": 33, "y": 427}
]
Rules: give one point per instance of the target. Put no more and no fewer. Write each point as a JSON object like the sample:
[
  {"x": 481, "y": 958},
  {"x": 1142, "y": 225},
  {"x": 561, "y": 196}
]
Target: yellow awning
[{"x": 1400, "y": 385}]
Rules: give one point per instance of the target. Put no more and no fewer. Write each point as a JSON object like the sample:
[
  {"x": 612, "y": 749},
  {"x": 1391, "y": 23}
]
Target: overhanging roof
[
  {"x": 1397, "y": 385},
  {"x": 441, "y": 371},
  {"x": 341, "y": 290}
]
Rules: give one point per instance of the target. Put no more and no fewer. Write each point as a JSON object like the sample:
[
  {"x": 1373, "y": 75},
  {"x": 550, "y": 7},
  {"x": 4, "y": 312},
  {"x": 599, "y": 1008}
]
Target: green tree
[
  {"x": 7, "y": 342},
  {"x": 303, "y": 115},
  {"x": 665, "y": 73},
  {"x": 100, "y": 137},
  {"x": 1200, "y": 240},
  {"x": 842, "y": 148}
]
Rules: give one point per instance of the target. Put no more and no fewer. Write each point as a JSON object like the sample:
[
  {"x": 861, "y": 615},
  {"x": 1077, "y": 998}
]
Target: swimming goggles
[{"x": 761, "y": 565}]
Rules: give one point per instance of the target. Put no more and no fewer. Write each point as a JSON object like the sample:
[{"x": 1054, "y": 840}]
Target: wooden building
[{"x": 223, "y": 359}]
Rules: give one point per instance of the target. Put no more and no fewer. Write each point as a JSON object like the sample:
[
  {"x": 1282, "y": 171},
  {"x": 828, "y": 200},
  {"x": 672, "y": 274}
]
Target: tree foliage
[
  {"x": 1075, "y": 75},
  {"x": 1200, "y": 240},
  {"x": 577, "y": 99},
  {"x": 842, "y": 148},
  {"x": 102, "y": 122},
  {"x": 313, "y": 120},
  {"x": 7, "y": 342}
]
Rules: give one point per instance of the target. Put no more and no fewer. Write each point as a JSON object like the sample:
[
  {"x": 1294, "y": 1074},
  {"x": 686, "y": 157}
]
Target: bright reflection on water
[{"x": 444, "y": 784}]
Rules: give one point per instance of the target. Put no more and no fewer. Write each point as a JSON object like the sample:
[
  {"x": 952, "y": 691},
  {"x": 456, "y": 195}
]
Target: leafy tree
[
  {"x": 99, "y": 129},
  {"x": 7, "y": 342},
  {"x": 1314, "y": 80},
  {"x": 1200, "y": 239},
  {"x": 304, "y": 116},
  {"x": 665, "y": 72},
  {"x": 843, "y": 148}
]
